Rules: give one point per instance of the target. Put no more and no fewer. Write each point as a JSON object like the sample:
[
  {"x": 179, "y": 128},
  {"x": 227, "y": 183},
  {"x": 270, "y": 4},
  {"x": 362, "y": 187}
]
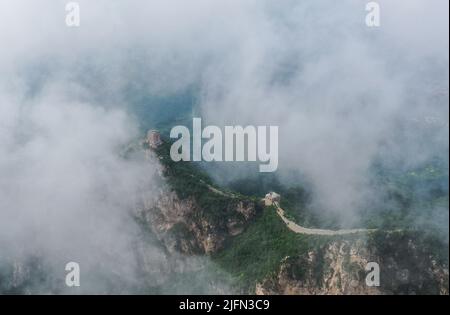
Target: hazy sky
[
  {"x": 341, "y": 92},
  {"x": 338, "y": 90}
]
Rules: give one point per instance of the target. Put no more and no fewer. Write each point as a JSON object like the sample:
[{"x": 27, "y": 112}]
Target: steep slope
[
  {"x": 253, "y": 243},
  {"x": 407, "y": 266},
  {"x": 190, "y": 215}
]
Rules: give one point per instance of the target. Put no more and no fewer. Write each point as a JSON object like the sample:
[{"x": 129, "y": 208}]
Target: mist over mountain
[{"x": 357, "y": 109}]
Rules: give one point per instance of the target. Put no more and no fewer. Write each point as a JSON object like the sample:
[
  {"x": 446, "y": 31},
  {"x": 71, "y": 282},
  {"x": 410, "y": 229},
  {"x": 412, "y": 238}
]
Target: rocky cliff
[
  {"x": 189, "y": 215},
  {"x": 338, "y": 267},
  {"x": 185, "y": 226}
]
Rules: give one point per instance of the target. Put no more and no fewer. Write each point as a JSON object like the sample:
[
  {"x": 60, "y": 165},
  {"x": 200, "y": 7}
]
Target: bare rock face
[
  {"x": 338, "y": 268},
  {"x": 333, "y": 269},
  {"x": 184, "y": 226}
]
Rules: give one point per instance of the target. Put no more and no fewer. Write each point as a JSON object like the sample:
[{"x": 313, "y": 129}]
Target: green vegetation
[
  {"x": 257, "y": 185},
  {"x": 190, "y": 182},
  {"x": 257, "y": 252},
  {"x": 295, "y": 199},
  {"x": 296, "y": 202},
  {"x": 410, "y": 199},
  {"x": 184, "y": 177},
  {"x": 415, "y": 198},
  {"x": 414, "y": 253},
  {"x": 403, "y": 245}
]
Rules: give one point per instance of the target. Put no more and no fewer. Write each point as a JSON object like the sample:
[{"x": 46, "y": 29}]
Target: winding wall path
[{"x": 302, "y": 230}]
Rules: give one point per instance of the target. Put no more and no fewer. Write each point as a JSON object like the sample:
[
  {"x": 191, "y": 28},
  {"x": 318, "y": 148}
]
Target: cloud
[
  {"x": 342, "y": 94},
  {"x": 66, "y": 193}
]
